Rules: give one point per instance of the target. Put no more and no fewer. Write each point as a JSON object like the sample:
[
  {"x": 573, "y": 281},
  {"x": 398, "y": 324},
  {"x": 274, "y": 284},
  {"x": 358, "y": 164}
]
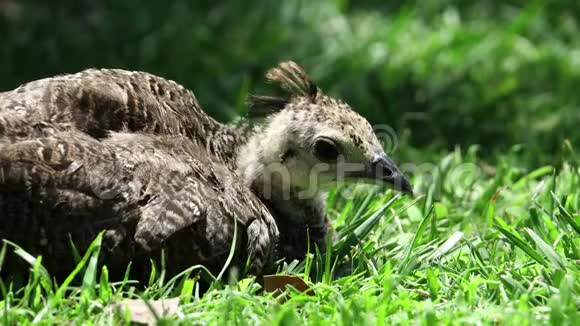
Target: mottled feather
[{"x": 143, "y": 190}]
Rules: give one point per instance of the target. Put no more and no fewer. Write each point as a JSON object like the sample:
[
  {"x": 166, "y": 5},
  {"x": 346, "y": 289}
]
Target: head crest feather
[{"x": 293, "y": 79}]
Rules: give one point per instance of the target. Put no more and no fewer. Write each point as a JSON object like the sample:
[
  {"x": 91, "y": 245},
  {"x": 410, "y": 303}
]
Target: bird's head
[{"x": 310, "y": 141}]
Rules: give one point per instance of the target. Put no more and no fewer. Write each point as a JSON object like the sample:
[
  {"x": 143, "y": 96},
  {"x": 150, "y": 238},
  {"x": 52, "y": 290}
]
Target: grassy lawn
[{"x": 482, "y": 244}]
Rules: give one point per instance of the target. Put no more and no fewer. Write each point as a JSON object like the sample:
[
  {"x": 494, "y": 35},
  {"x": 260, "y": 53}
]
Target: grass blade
[
  {"x": 552, "y": 255},
  {"x": 567, "y": 216},
  {"x": 516, "y": 240}
]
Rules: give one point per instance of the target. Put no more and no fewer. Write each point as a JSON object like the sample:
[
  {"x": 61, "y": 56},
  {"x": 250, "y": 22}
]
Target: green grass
[{"x": 483, "y": 244}]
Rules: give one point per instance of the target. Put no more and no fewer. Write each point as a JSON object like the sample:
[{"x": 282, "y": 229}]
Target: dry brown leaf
[{"x": 279, "y": 283}]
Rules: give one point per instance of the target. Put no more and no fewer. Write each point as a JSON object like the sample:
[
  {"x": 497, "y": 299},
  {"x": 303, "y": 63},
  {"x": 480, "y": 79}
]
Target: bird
[{"x": 134, "y": 156}]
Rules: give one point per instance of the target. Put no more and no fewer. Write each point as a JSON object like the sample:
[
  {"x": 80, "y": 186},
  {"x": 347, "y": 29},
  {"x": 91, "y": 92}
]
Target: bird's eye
[{"x": 326, "y": 150}]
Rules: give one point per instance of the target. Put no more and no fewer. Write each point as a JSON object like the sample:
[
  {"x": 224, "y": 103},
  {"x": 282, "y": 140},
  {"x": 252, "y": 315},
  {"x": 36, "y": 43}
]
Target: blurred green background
[{"x": 441, "y": 73}]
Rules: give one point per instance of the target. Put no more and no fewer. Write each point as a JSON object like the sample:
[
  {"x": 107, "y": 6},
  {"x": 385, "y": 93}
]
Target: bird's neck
[{"x": 223, "y": 141}]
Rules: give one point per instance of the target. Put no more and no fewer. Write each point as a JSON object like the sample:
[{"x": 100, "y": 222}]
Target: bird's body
[
  {"x": 143, "y": 190},
  {"x": 126, "y": 152},
  {"x": 134, "y": 155}
]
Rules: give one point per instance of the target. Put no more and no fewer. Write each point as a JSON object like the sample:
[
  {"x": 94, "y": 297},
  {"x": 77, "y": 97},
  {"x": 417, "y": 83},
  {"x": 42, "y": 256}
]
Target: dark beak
[{"x": 384, "y": 171}]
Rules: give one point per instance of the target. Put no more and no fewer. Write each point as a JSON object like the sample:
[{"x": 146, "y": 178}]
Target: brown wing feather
[
  {"x": 95, "y": 101},
  {"x": 147, "y": 192},
  {"x": 99, "y": 101}
]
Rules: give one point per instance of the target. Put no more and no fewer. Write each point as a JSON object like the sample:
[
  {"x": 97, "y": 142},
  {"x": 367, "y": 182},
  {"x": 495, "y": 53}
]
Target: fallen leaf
[{"x": 279, "y": 283}]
